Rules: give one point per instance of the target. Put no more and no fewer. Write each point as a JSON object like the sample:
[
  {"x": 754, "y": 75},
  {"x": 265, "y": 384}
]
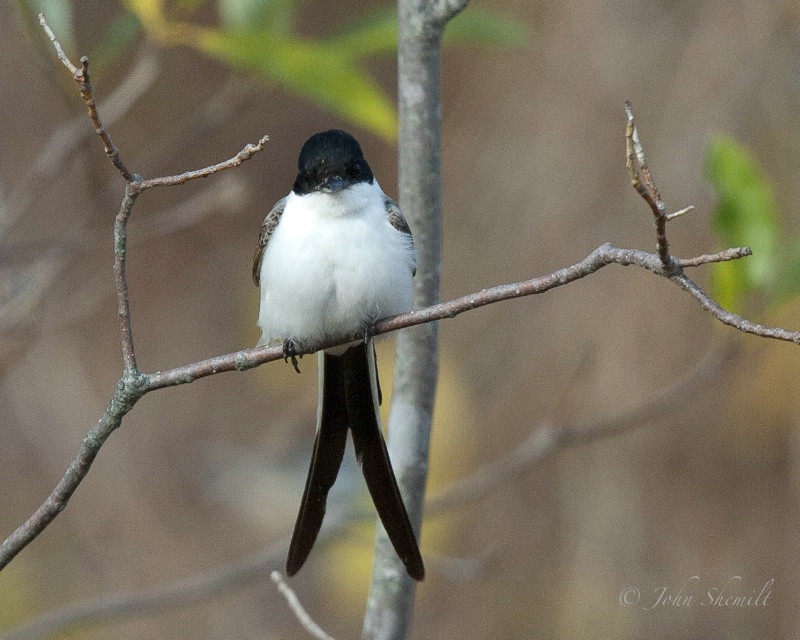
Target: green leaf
[
  {"x": 746, "y": 214},
  {"x": 314, "y": 70}
]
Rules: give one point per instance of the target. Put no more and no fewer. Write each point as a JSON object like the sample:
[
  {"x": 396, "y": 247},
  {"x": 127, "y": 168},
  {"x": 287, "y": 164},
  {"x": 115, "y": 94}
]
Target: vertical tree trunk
[{"x": 421, "y": 25}]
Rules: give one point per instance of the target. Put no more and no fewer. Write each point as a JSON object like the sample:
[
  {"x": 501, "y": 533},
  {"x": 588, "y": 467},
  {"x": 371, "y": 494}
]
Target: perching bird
[{"x": 334, "y": 256}]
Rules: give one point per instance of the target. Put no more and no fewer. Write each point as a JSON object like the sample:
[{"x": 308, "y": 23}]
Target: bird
[{"x": 334, "y": 256}]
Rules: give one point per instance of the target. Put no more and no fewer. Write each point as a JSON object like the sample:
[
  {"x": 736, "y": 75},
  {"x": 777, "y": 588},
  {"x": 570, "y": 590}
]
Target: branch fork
[{"x": 644, "y": 184}]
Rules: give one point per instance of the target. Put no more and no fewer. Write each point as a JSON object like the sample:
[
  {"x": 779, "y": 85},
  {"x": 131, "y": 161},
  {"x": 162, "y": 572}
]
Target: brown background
[{"x": 534, "y": 179}]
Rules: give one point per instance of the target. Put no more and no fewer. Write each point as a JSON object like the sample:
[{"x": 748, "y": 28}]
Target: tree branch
[
  {"x": 134, "y": 385},
  {"x": 172, "y": 181},
  {"x": 121, "y": 279},
  {"x": 57, "y": 45},
  {"x": 81, "y": 76},
  {"x": 297, "y": 608},
  {"x": 645, "y": 186}
]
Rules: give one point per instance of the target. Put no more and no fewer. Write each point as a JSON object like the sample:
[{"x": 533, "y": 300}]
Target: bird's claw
[{"x": 290, "y": 354}]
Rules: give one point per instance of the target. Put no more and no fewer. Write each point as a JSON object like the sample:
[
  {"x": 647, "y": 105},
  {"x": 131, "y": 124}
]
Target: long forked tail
[{"x": 349, "y": 397}]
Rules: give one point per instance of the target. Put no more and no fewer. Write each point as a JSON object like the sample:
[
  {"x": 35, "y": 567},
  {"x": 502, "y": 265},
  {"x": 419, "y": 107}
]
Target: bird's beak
[{"x": 332, "y": 184}]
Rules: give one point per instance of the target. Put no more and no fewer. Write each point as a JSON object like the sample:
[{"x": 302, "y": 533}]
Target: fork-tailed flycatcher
[{"x": 333, "y": 257}]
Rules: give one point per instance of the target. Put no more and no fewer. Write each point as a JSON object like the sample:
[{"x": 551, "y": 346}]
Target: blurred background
[{"x": 206, "y": 474}]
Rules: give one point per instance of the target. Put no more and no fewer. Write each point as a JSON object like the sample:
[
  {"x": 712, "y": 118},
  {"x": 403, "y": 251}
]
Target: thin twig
[
  {"x": 121, "y": 279},
  {"x": 81, "y": 76},
  {"x": 642, "y": 181},
  {"x": 599, "y": 258},
  {"x": 59, "y": 51},
  {"x": 297, "y": 608},
  {"x": 732, "y": 319},
  {"x": 87, "y": 93},
  {"x": 171, "y": 181},
  {"x": 678, "y": 214},
  {"x": 722, "y": 256},
  {"x": 134, "y": 386},
  {"x": 64, "y": 140},
  {"x": 646, "y": 185}
]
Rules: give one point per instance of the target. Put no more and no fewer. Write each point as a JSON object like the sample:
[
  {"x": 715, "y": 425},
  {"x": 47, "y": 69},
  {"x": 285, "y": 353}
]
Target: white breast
[{"x": 333, "y": 266}]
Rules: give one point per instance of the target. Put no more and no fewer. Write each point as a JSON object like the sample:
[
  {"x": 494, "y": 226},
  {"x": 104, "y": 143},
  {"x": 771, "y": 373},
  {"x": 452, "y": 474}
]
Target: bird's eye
[{"x": 356, "y": 168}]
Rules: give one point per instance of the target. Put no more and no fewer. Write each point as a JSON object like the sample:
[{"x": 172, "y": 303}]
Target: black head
[{"x": 330, "y": 161}]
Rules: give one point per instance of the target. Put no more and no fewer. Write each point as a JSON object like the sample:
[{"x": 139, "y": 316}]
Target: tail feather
[
  {"x": 349, "y": 397},
  {"x": 360, "y": 387},
  {"x": 329, "y": 444}
]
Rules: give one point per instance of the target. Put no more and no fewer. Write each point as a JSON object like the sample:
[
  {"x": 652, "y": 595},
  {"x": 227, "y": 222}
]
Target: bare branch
[
  {"x": 642, "y": 181},
  {"x": 599, "y": 258},
  {"x": 134, "y": 385},
  {"x": 171, "y": 181},
  {"x": 87, "y": 93},
  {"x": 63, "y": 141},
  {"x": 732, "y": 319},
  {"x": 81, "y": 76},
  {"x": 121, "y": 279},
  {"x": 678, "y": 214},
  {"x": 59, "y": 51},
  {"x": 297, "y": 608},
  {"x": 723, "y": 256}
]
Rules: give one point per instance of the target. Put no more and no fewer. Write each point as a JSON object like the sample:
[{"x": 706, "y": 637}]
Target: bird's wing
[
  {"x": 270, "y": 222},
  {"x": 398, "y": 221}
]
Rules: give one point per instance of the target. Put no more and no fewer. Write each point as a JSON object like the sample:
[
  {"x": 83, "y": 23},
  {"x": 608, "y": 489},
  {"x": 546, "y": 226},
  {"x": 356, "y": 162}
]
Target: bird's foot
[{"x": 290, "y": 353}]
